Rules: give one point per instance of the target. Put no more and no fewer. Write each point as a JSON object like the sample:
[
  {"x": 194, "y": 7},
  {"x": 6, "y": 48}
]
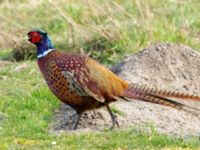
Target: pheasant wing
[{"x": 91, "y": 77}]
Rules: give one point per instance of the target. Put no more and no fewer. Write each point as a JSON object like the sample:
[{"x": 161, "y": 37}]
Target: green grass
[
  {"x": 28, "y": 106},
  {"x": 127, "y": 26},
  {"x": 5, "y": 54},
  {"x": 107, "y": 30},
  {"x": 124, "y": 139}
]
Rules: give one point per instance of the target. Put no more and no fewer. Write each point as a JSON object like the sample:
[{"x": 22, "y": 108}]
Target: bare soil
[{"x": 164, "y": 66}]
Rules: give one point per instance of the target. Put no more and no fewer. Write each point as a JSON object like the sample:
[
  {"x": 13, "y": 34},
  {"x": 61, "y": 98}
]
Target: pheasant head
[{"x": 42, "y": 41}]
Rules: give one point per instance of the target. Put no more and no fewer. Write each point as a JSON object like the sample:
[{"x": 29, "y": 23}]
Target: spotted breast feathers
[{"x": 84, "y": 76}]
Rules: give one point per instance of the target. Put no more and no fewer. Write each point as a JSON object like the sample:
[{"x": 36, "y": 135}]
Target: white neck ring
[{"x": 44, "y": 53}]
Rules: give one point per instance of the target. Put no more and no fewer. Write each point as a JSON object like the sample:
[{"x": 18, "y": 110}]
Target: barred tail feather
[
  {"x": 139, "y": 94},
  {"x": 164, "y": 93}
]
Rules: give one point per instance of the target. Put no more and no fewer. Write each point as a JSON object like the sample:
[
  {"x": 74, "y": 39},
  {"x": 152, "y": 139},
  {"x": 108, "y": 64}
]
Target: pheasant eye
[{"x": 35, "y": 34}]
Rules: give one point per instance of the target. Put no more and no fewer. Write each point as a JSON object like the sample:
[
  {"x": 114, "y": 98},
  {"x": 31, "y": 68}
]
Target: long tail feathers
[
  {"x": 164, "y": 93},
  {"x": 160, "y": 97}
]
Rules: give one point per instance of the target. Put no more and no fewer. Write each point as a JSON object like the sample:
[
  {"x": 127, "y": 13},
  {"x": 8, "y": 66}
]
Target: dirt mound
[{"x": 163, "y": 66}]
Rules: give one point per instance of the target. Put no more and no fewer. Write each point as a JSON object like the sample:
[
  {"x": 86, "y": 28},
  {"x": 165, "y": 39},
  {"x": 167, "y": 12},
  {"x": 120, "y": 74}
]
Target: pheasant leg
[
  {"x": 76, "y": 121},
  {"x": 113, "y": 117}
]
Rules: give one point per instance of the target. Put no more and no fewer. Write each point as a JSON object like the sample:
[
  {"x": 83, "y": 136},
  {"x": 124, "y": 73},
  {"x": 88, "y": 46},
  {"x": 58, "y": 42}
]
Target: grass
[
  {"x": 125, "y": 139},
  {"x": 106, "y": 30},
  {"x": 5, "y": 54},
  {"x": 127, "y": 26}
]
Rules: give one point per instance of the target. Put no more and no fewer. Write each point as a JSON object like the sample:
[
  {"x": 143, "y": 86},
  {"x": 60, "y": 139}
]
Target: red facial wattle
[{"x": 34, "y": 37}]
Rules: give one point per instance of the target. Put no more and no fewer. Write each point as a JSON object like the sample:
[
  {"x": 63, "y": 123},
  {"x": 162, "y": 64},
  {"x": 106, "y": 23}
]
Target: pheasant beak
[{"x": 28, "y": 37}]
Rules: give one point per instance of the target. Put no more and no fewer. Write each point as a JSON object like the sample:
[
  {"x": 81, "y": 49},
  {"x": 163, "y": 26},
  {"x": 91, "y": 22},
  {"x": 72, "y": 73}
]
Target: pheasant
[{"x": 84, "y": 84}]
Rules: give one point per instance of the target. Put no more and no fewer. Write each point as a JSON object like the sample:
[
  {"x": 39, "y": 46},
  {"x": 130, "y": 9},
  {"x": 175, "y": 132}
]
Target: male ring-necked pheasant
[{"x": 84, "y": 84}]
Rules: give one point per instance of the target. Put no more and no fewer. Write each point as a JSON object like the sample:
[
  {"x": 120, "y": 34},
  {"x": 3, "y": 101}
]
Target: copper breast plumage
[{"x": 63, "y": 74}]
